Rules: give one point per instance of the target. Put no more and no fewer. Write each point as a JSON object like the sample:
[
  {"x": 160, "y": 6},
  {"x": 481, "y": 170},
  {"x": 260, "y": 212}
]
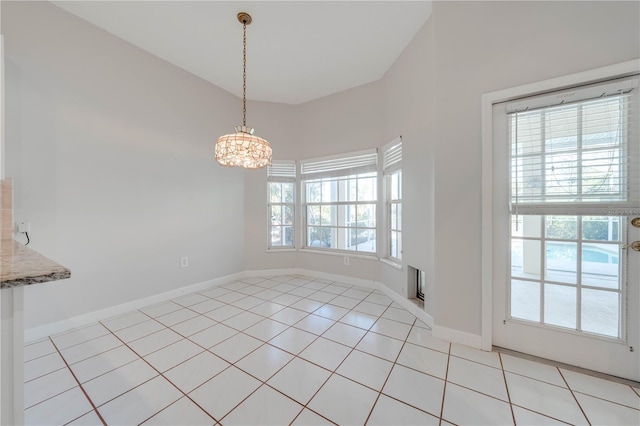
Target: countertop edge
[{"x": 21, "y": 266}]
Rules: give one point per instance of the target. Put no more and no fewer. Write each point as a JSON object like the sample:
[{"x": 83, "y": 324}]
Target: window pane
[
  {"x": 526, "y": 226},
  {"x": 366, "y": 240},
  {"x": 393, "y": 245},
  {"x": 366, "y": 215},
  {"x": 600, "y": 265},
  {"x": 313, "y": 215},
  {"x": 275, "y": 192},
  {"x": 561, "y": 261},
  {"x": 314, "y": 192},
  {"x": 288, "y": 194},
  {"x": 360, "y": 239},
  {"x": 564, "y": 227},
  {"x": 561, "y": 128},
  {"x": 561, "y": 178},
  {"x": 600, "y": 312},
  {"x": 601, "y": 228},
  {"x": 600, "y": 126},
  {"x": 287, "y": 232},
  {"x": 399, "y": 222},
  {"x": 560, "y": 305},
  {"x": 350, "y": 215},
  {"x": 367, "y": 189},
  {"x": 395, "y": 186},
  {"x": 288, "y": 215},
  {"x": 525, "y": 300},
  {"x": 329, "y": 191},
  {"x": 525, "y": 258},
  {"x": 394, "y": 216},
  {"x": 352, "y": 189},
  {"x": 276, "y": 236},
  {"x": 276, "y": 215},
  {"x": 318, "y": 237},
  {"x": 328, "y": 215},
  {"x": 601, "y": 173}
]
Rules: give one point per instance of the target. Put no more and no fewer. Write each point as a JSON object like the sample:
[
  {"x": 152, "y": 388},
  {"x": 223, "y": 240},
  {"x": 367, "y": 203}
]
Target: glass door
[{"x": 566, "y": 271}]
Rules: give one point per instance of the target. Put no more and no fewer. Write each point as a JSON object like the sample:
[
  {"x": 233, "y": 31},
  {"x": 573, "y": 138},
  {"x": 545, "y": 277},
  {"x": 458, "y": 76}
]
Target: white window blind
[
  {"x": 282, "y": 171},
  {"x": 576, "y": 152},
  {"x": 343, "y": 165},
  {"x": 393, "y": 158}
]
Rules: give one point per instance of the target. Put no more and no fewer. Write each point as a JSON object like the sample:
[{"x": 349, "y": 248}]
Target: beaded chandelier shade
[{"x": 243, "y": 148}]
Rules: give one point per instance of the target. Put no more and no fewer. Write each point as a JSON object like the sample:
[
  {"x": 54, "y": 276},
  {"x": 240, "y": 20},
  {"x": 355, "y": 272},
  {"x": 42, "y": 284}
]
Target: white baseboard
[
  {"x": 457, "y": 336},
  {"x": 449, "y": 334},
  {"x": 314, "y": 274},
  {"x": 408, "y": 305},
  {"x": 36, "y": 333}
]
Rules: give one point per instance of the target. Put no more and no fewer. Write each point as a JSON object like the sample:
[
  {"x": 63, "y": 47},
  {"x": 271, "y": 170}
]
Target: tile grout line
[
  {"x": 506, "y": 386},
  {"x": 390, "y": 370},
  {"x": 112, "y": 332},
  {"x": 574, "y": 396},
  {"x": 160, "y": 374},
  {"x": 444, "y": 390},
  {"x": 95, "y": 409}
]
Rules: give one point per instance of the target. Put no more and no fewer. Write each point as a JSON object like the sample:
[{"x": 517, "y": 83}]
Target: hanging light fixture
[{"x": 243, "y": 148}]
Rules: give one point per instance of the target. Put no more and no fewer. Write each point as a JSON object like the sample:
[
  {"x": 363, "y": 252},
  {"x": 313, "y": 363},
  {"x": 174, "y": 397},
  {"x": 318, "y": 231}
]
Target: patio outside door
[{"x": 567, "y": 277}]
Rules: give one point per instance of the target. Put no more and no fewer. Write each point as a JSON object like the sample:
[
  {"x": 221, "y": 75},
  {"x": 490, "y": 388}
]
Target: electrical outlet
[
  {"x": 24, "y": 227},
  {"x": 346, "y": 261},
  {"x": 184, "y": 262}
]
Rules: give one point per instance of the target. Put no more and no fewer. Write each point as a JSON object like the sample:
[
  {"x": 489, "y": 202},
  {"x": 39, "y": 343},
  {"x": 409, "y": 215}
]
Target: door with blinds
[{"x": 567, "y": 195}]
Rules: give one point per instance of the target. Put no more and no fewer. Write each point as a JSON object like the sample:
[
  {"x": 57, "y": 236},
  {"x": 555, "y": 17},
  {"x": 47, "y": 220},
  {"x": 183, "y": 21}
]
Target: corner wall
[{"x": 111, "y": 153}]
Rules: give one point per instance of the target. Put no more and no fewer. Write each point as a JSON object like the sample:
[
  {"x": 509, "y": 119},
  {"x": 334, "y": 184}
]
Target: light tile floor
[{"x": 296, "y": 350}]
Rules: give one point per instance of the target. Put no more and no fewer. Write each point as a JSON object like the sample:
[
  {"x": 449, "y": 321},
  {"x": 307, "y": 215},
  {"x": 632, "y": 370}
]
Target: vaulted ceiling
[{"x": 297, "y": 50}]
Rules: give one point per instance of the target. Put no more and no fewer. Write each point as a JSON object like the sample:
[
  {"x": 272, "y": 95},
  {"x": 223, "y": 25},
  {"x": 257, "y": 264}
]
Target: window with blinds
[
  {"x": 281, "y": 186},
  {"x": 340, "y": 196},
  {"x": 570, "y": 152},
  {"x": 574, "y": 174},
  {"x": 392, "y": 169}
]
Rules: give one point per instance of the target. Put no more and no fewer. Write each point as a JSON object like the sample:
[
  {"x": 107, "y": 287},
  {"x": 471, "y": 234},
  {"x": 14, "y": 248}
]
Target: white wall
[
  {"x": 111, "y": 150},
  {"x": 482, "y": 47}
]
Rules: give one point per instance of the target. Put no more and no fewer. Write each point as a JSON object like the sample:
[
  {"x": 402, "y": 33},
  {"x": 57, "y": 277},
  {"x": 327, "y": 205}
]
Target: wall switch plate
[{"x": 184, "y": 262}]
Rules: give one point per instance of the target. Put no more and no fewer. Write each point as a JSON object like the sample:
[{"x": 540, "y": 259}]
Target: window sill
[
  {"x": 340, "y": 253},
  {"x": 392, "y": 263},
  {"x": 281, "y": 250}
]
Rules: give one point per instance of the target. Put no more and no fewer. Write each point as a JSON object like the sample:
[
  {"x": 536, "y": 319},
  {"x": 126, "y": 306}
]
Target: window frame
[
  {"x": 282, "y": 172},
  {"x": 392, "y": 165},
  {"x": 339, "y": 171}
]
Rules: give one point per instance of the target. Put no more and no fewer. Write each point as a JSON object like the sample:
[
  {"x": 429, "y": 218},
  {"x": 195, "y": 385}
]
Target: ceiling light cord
[{"x": 244, "y": 73}]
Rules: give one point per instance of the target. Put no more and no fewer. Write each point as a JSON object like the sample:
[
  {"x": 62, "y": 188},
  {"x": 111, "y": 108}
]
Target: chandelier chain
[{"x": 244, "y": 73}]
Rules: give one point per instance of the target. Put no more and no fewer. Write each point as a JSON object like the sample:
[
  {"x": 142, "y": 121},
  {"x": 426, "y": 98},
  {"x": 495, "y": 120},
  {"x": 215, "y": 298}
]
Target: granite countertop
[{"x": 20, "y": 266}]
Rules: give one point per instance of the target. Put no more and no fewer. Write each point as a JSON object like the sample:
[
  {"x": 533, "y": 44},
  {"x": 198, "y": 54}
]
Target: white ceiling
[{"x": 297, "y": 51}]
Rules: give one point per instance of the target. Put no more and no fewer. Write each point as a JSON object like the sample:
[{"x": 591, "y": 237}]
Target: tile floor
[{"x": 297, "y": 350}]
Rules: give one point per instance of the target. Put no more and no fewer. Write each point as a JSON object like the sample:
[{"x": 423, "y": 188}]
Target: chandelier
[{"x": 243, "y": 148}]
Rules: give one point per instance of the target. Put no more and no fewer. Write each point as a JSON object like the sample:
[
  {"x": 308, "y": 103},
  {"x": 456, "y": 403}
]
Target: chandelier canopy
[{"x": 243, "y": 148}]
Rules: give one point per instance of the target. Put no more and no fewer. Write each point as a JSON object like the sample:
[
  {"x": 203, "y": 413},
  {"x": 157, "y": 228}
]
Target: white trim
[
  {"x": 408, "y": 305},
  {"x": 457, "y": 336},
  {"x": 343, "y": 253},
  {"x": 592, "y": 76},
  {"x": 391, "y": 262},
  {"x": 36, "y": 333}
]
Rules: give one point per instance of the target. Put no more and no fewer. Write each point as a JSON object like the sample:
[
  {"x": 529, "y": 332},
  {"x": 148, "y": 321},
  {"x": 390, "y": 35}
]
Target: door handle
[{"x": 634, "y": 246}]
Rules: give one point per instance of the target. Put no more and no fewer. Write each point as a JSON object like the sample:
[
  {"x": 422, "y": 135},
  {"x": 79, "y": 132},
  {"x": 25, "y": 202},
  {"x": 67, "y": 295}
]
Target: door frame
[{"x": 623, "y": 69}]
